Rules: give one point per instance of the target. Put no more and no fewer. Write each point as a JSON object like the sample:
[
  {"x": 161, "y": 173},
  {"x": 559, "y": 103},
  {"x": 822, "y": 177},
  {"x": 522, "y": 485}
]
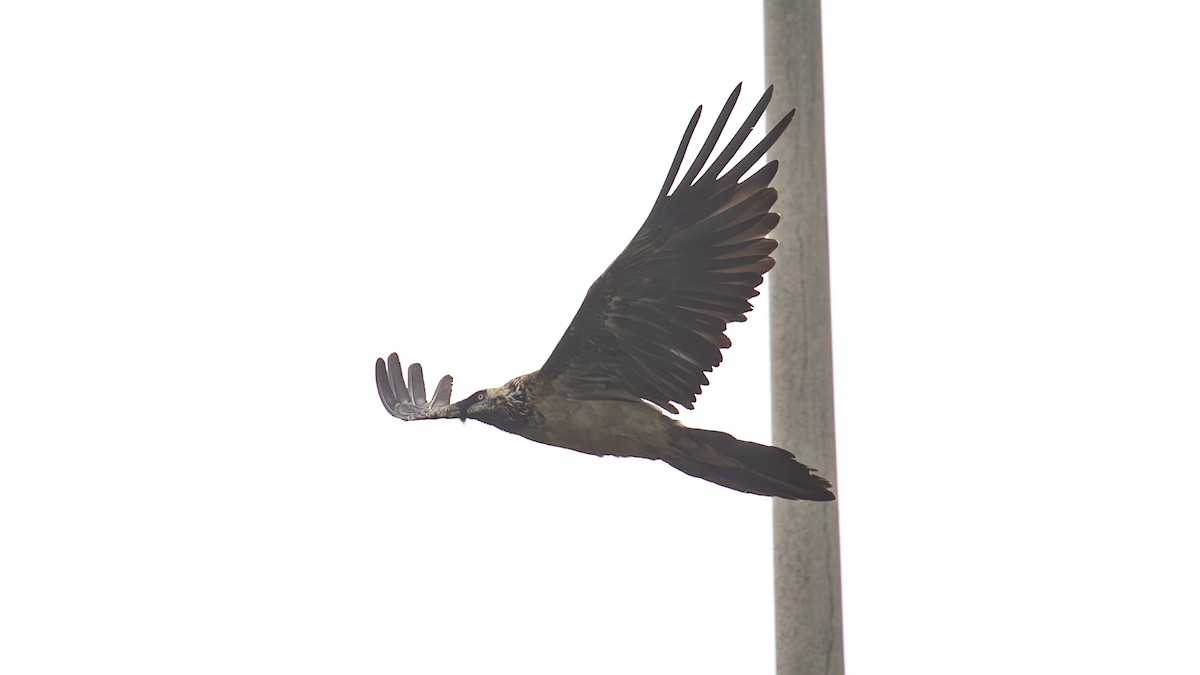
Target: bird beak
[{"x": 458, "y": 410}]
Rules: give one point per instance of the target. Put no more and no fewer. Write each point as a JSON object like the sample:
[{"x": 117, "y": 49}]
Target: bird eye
[{"x": 479, "y": 396}]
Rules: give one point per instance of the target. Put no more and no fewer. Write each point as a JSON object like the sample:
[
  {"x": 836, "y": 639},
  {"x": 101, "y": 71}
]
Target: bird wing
[
  {"x": 407, "y": 401},
  {"x": 654, "y": 323}
]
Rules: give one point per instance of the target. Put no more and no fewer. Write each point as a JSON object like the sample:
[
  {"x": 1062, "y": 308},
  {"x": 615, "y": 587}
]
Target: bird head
[
  {"x": 498, "y": 406},
  {"x": 472, "y": 406}
]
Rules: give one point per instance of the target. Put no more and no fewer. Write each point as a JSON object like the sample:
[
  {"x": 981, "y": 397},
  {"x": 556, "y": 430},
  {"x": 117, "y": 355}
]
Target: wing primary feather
[
  {"x": 736, "y": 193},
  {"x": 416, "y": 382},
  {"x": 675, "y": 164},
  {"x": 714, "y": 135},
  {"x": 396, "y": 375},
  {"x": 735, "y": 143},
  {"x": 384, "y": 385},
  {"x": 741, "y": 212},
  {"x": 763, "y": 146},
  {"x": 441, "y": 393}
]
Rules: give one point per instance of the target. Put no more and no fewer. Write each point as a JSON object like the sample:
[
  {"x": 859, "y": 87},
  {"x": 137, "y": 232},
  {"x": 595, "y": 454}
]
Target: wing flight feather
[
  {"x": 654, "y": 323},
  {"x": 407, "y": 400}
]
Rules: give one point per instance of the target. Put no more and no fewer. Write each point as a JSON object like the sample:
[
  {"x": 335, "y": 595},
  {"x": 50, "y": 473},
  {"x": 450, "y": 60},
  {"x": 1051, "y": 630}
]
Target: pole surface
[{"x": 808, "y": 586}]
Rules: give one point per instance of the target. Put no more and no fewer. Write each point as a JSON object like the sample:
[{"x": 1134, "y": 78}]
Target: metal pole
[{"x": 808, "y": 586}]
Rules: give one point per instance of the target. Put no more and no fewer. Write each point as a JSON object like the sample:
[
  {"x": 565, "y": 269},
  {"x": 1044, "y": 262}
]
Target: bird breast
[{"x": 604, "y": 427}]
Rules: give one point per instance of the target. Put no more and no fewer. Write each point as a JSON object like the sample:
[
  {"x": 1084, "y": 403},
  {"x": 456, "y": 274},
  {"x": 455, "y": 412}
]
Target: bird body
[
  {"x": 531, "y": 407},
  {"x": 618, "y": 428},
  {"x": 648, "y": 330}
]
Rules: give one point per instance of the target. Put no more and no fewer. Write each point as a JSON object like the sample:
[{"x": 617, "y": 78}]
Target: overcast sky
[{"x": 216, "y": 216}]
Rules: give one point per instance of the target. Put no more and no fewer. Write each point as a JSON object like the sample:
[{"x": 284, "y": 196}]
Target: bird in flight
[{"x": 648, "y": 330}]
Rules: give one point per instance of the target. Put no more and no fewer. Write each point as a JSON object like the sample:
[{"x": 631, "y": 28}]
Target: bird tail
[{"x": 749, "y": 467}]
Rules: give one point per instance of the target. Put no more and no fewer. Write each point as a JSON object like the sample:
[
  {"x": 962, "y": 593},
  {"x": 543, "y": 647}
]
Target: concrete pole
[{"x": 808, "y": 582}]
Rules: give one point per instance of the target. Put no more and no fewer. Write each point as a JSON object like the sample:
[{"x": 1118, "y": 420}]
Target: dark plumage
[{"x": 648, "y": 330}]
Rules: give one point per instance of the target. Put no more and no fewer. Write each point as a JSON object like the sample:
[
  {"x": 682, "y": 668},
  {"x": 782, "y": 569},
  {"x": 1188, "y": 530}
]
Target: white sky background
[{"x": 216, "y": 217}]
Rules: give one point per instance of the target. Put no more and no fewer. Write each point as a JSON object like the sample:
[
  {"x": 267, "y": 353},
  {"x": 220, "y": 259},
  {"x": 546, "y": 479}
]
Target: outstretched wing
[
  {"x": 654, "y": 323},
  {"x": 407, "y": 401}
]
